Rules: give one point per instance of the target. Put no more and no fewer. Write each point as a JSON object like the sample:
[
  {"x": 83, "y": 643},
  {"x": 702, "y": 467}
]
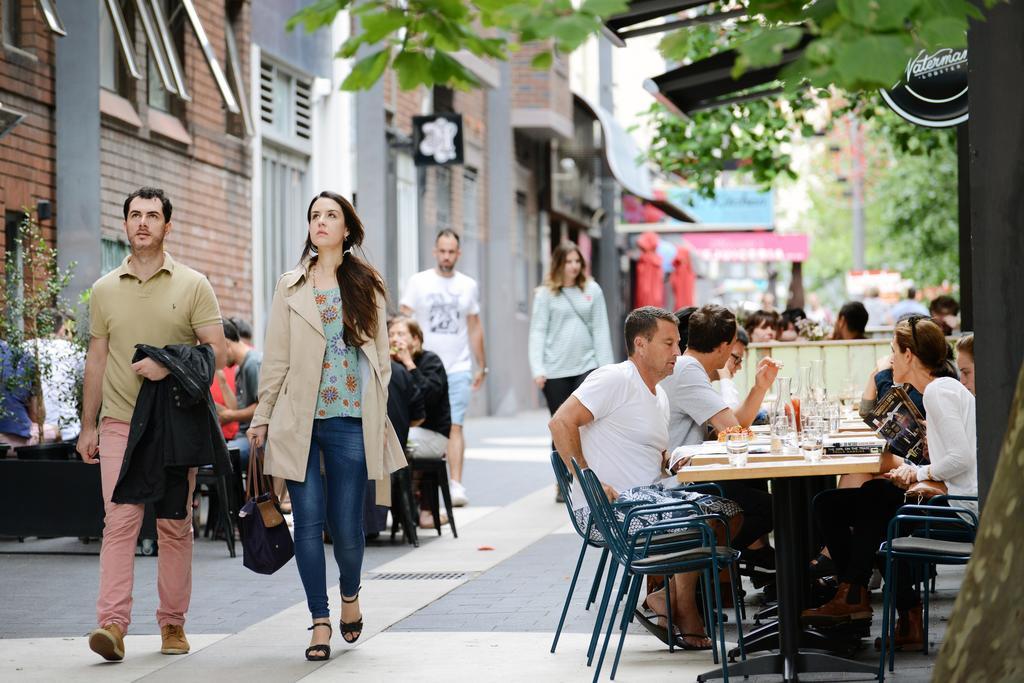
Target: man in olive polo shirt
[{"x": 149, "y": 299}]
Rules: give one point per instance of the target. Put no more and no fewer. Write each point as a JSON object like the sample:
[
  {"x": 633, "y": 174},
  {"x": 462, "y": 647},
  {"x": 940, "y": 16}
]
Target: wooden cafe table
[{"x": 792, "y": 552}]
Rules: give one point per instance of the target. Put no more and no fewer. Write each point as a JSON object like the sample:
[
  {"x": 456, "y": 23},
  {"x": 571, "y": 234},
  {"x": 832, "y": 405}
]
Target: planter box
[{"x": 47, "y": 451}]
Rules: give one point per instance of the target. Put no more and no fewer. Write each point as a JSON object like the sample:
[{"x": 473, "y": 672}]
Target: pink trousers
[{"x": 120, "y": 533}]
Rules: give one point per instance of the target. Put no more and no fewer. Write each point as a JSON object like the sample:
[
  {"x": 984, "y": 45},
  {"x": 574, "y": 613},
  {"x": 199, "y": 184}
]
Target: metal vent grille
[
  {"x": 267, "y": 93},
  {"x": 303, "y": 108},
  {"x": 417, "y": 576}
]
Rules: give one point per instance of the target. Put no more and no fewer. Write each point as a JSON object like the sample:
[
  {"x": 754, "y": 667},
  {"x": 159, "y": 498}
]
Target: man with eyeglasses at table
[
  {"x": 694, "y": 404},
  {"x": 726, "y": 384}
]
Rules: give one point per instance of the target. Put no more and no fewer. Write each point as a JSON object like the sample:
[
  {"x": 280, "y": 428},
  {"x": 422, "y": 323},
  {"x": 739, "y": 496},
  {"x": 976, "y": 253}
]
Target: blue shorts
[{"x": 458, "y": 395}]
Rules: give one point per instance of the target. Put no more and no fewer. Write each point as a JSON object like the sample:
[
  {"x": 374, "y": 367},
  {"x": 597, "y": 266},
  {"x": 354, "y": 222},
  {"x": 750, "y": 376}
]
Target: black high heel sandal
[
  {"x": 355, "y": 627},
  {"x": 319, "y": 653}
]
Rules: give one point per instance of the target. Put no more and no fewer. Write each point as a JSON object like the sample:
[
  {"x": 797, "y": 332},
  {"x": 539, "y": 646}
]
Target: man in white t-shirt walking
[
  {"x": 446, "y": 305},
  {"x": 616, "y": 423}
]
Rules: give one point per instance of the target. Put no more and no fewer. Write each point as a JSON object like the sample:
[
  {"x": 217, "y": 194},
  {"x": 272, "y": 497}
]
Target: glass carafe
[
  {"x": 802, "y": 399},
  {"x": 817, "y": 382}
]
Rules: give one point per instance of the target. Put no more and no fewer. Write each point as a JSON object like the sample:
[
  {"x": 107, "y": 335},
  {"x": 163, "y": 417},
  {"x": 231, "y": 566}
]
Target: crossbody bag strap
[{"x": 586, "y": 324}]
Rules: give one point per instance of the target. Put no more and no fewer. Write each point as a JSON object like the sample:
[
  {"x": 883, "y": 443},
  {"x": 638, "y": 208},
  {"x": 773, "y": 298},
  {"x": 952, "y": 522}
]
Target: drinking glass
[
  {"x": 817, "y": 380},
  {"x": 737, "y": 446},
  {"x": 780, "y": 433},
  {"x": 834, "y": 413},
  {"x": 811, "y": 439}
]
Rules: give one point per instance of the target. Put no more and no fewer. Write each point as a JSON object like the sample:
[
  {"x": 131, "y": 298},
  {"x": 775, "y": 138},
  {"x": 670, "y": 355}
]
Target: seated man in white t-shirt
[
  {"x": 616, "y": 423},
  {"x": 694, "y": 404}
]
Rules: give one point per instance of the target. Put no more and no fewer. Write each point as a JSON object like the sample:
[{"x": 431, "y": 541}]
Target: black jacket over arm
[
  {"x": 174, "y": 427},
  {"x": 432, "y": 381}
]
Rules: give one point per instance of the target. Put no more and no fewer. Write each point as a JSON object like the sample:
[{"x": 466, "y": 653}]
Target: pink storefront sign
[{"x": 748, "y": 246}]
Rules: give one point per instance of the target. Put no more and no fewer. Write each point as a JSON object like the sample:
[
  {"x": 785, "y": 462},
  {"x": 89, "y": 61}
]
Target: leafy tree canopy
[{"x": 855, "y": 44}]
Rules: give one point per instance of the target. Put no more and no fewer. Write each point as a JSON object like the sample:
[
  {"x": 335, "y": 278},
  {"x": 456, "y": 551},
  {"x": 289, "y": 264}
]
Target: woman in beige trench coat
[{"x": 322, "y": 410}]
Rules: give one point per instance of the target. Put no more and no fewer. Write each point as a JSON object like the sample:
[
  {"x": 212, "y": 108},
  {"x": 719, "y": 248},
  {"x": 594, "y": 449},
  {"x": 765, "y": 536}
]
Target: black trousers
[
  {"x": 558, "y": 389},
  {"x": 751, "y": 495},
  {"x": 854, "y": 523}
]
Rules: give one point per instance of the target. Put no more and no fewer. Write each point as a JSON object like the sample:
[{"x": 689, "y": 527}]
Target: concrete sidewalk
[{"x": 482, "y": 606}]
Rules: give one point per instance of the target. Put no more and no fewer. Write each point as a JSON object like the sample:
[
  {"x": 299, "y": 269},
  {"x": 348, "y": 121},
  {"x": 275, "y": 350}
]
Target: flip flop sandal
[
  {"x": 657, "y": 630},
  {"x": 681, "y": 641}
]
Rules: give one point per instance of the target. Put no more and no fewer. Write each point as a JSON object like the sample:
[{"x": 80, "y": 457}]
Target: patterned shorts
[{"x": 656, "y": 494}]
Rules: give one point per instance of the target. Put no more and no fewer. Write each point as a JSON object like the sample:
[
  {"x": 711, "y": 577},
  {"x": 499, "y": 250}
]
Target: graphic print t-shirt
[{"x": 441, "y": 306}]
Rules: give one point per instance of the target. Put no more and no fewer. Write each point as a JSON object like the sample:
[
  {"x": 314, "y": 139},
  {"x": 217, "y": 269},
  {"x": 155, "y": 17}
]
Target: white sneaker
[{"x": 458, "y": 491}]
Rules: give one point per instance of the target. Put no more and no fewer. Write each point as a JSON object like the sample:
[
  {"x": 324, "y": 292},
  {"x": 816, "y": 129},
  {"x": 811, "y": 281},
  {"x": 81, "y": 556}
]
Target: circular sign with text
[{"x": 933, "y": 91}]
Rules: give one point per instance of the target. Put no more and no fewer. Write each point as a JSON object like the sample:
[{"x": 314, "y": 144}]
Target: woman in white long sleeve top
[{"x": 855, "y": 521}]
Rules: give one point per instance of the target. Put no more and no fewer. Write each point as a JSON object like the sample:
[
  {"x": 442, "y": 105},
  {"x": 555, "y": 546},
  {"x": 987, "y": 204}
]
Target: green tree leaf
[
  {"x": 944, "y": 32},
  {"x": 873, "y": 61},
  {"x": 765, "y": 48},
  {"x": 542, "y": 61},
  {"x": 413, "y": 69},
  {"x": 604, "y": 8},
  {"x": 366, "y": 71}
]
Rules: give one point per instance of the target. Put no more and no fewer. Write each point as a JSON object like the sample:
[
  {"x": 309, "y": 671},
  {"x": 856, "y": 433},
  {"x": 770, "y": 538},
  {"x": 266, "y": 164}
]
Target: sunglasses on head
[{"x": 913, "y": 320}]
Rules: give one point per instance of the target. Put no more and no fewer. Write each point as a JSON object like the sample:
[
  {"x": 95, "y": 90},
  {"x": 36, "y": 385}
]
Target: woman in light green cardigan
[{"x": 569, "y": 334}]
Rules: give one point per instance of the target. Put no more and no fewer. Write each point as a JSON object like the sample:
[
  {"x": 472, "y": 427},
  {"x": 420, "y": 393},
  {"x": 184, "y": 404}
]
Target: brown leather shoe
[
  {"x": 174, "y": 641},
  {"x": 909, "y": 631},
  {"x": 851, "y": 603},
  {"x": 108, "y": 642}
]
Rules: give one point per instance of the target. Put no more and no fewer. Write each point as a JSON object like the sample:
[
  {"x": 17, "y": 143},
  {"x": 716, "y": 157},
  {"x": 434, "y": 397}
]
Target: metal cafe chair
[
  {"x": 593, "y": 540},
  {"x": 639, "y": 558},
  {"x": 922, "y": 547}
]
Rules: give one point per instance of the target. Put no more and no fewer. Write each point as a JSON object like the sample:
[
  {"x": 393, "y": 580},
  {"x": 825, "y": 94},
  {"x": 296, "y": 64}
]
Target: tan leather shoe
[
  {"x": 909, "y": 631},
  {"x": 174, "y": 640},
  {"x": 108, "y": 642},
  {"x": 851, "y": 603}
]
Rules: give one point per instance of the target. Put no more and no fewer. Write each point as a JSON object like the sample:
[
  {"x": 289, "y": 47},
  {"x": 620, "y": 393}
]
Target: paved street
[{"x": 482, "y": 605}]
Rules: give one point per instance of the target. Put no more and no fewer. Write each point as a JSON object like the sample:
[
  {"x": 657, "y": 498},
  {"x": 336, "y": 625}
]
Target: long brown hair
[
  {"x": 357, "y": 279},
  {"x": 925, "y": 340},
  {"x": 558, "y": 258}
]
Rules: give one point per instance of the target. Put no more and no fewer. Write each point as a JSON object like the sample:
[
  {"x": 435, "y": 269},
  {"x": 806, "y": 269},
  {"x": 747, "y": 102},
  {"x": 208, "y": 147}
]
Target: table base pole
[{"x": 789, "y": 668}]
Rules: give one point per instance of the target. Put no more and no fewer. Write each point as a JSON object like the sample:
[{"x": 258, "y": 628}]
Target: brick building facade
[
  {"x": 27, "y": 152},
  {"x": 195, "y": 149}
]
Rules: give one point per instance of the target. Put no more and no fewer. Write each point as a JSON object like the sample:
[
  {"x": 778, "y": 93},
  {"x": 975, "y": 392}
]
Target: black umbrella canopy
[
  {"x": 709, "y": 83},
  {"x": 620, "y": 27}
]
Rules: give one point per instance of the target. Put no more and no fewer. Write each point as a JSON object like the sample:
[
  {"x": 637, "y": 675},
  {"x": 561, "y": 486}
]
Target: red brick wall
[
  {"x": 535, "y": 89},
  {"x": 27, "y": 153},
  {"x": 208, "y": 181}
]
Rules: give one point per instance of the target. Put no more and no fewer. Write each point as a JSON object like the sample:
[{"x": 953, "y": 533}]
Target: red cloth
[
  {"x": 683, "y": 279},
  {"x": 229, "y": 429},
  {"x": 650, "y": 283}
]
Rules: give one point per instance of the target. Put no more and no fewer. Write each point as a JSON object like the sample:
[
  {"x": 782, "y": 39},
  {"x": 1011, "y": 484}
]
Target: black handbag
[{"x": 266, "y": 542}]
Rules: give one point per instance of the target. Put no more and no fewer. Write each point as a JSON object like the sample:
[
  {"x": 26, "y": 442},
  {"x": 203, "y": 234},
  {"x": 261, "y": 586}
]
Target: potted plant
[{"x": 32, "y": 303}]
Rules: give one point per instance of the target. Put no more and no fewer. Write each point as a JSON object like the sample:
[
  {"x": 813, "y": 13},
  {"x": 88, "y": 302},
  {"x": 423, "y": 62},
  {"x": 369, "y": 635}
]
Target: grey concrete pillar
[
  {"x": 78, "y": 143},
  {"x": 505, "y": 355},
  {"x": 608, "y": 267},
  {"x": 371, "y": 179}
]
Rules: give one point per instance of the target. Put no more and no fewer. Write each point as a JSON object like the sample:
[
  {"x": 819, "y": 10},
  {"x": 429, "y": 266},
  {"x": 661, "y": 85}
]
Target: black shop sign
[
  {"x": 933, "y": 90},
  {"x": 437, "y": 139}
]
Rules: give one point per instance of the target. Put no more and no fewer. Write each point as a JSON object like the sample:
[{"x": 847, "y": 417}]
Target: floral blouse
[{"x": 340, "y": 393}]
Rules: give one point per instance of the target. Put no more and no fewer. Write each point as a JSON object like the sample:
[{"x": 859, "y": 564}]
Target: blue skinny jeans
[{"x": 334, "y": 497}]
